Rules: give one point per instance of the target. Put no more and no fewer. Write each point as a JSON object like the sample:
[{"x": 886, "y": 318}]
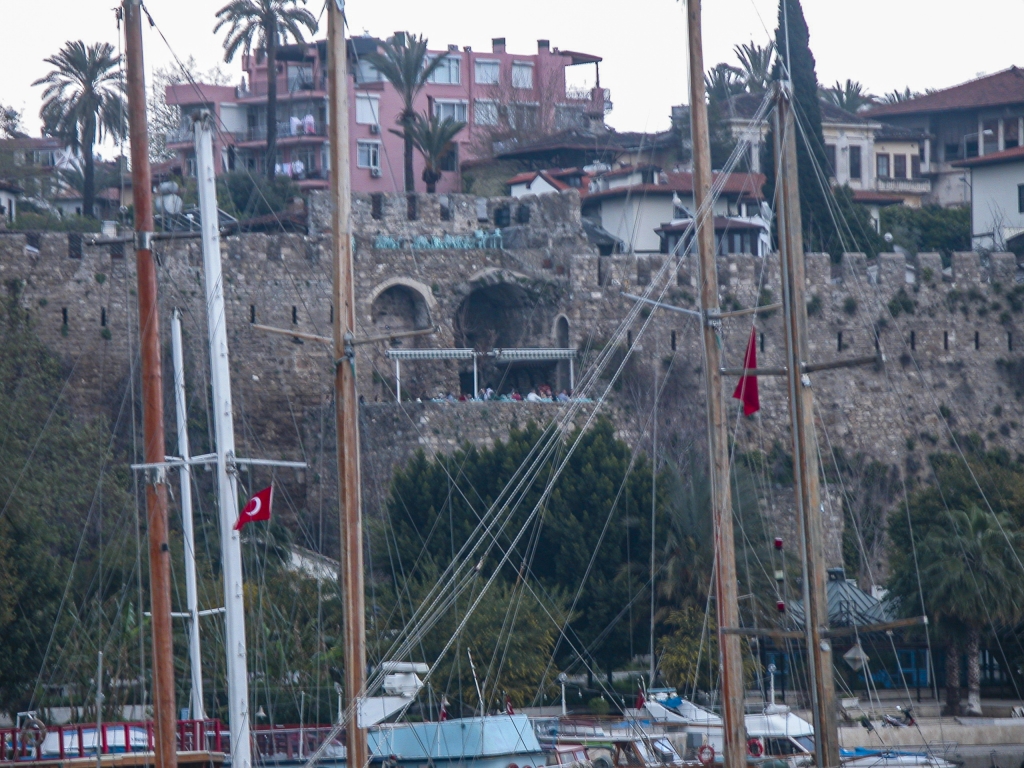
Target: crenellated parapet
[{"x": 951, "y": 334}]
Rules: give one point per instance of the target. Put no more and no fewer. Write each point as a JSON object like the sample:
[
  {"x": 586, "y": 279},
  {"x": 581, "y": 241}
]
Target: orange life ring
[
  {"x": 755, "y": 747},
  {"x": 706, "y": 754}
]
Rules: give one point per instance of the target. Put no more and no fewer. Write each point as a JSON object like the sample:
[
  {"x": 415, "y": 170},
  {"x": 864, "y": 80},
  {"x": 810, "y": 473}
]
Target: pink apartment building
[{"x": 497, "y": 94}]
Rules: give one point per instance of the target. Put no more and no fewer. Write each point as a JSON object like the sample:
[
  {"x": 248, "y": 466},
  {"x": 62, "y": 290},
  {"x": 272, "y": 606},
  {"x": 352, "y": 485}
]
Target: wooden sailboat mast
[
  {"x": 718, "y": 436},
  {"x": 346, "y": 403},
  {"x": 801, "y": 409},
  {"x": 152, "y": 395}
]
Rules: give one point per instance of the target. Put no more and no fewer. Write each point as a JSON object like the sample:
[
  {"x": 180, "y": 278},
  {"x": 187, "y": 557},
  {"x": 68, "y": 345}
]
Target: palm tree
[
  {"x": 723, "y": 81},
  {"x": 10, "y": 123},
  {"x": 83, "y": 102},
  {"x": 265, "y": 24},
  {"x": 896, "y": 96},
  {"x": 756, "y": 65},
  {"x": 971, "y": 581},
  {"x": 433, "y": 138},
  {"x": 404, "y": 63},
  {"x": 850, "y": 96}
]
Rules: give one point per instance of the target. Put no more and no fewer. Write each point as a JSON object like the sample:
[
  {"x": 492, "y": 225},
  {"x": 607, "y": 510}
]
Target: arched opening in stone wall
[
  {"x": 395, "y": 309},
  {"x": 505, "y": 315},
  {"x": 399, "y": 308}
]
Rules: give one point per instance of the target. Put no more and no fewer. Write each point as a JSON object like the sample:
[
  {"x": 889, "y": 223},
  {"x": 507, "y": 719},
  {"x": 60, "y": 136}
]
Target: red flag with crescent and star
[
  {"x": 257, "y": 508},
  {"x": 746, "y": 390}
]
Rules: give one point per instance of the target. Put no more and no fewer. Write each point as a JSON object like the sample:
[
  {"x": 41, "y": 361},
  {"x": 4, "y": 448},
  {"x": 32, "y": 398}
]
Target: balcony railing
[
  {"x": 184, "y": 135},
  {"x": 909, "y": 186},
  {"x": 286, "y": 131},
  {"x": 285, "y": 89}
]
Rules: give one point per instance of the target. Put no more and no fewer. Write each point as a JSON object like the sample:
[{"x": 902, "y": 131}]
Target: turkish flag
[
  {"x": 257, "y": 508},
  {"x": 508, "y": 705},
  {"x": 746, "y": 390}
]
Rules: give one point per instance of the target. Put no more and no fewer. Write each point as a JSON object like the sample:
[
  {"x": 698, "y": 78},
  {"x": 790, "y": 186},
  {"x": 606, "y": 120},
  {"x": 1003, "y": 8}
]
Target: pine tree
[
  {"x": 821, "y": 233},
  {"x": 428, "y": 522}
]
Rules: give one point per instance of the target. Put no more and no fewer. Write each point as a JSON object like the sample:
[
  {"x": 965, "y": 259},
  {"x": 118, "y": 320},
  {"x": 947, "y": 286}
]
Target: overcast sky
[{"x": 885, "y": 44}]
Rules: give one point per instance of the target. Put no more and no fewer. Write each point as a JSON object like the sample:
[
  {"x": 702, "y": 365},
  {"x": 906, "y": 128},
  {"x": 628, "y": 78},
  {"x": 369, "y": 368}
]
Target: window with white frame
[
  {"x": 522, "y": 75},
  {"x": 368, "y": 154},
  {"x": 448, "y": 72},
  {"x": 485, "y": 112},
  {"x": 487, "y": 72},
  {"x": 456, "y": 110},
  {"x": 367, "y": 109},
  {"x": 882, "y": 166}
]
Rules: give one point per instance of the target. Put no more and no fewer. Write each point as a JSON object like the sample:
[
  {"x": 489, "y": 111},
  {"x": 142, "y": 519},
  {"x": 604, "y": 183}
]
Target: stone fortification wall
[{"x": 951, "y": 338}]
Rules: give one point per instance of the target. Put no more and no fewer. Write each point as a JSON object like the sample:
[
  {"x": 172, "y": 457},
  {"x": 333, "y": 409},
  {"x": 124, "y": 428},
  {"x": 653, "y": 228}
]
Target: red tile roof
[
  {"x": 1016, "y": 154},
  {"x": 524, "y": 177},
  {"x": 748, "y": 184},
  {"x": 1006, "y": 87},
  {"x": 530, "y": 176}
]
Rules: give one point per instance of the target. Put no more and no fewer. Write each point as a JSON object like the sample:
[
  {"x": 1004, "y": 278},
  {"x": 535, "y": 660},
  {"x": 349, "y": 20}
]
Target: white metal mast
[
  {"x": 224, "y": 432},
  {"x": 185, "y": 488}
]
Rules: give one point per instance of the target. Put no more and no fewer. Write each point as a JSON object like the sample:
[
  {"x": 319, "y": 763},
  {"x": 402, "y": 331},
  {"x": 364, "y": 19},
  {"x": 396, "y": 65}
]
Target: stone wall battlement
[{"x": 953, "y": 339}]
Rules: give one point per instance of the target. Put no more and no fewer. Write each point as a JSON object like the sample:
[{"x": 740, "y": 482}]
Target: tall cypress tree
[{"x": 820, "y": 232}]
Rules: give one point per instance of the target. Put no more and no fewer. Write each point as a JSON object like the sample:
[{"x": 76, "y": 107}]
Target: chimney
[
  {"x": 453, "y": 48},
  {"x": 497, "y": 45},
  {"x": 543, "y": 46},
  {"x": 400, "y": 39}
]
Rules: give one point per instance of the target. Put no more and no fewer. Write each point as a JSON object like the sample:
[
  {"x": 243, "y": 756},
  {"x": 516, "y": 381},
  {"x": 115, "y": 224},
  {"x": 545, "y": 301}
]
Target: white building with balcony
[
  {"x": 996, "y": 181},
  {"x": 881, "y": 163},
  {"x": 975, "y": 119}
]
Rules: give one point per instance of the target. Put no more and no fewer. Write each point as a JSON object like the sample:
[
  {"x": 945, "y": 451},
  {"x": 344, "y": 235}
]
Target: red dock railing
[
  {"x": 80, "y": 740},
  {"x": 270, "y": 742}
]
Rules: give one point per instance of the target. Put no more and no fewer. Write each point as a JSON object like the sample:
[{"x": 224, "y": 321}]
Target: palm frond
[
  {"x": 756, "y": 64},
  {"x": 406, "y": 66},
  {"x": 433, "y": 137},
  {"x": 84, "y": 94}
]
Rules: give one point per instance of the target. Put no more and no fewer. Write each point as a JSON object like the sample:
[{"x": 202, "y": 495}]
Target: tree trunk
[
  {"x": 973, "y": 671},
  {"x": 410, "y": 179},
  {"x": 271, "y": 36},
  {"x": 431, "y": 177},
  {"x": 89, "y": 171},
  {"x": 952, "y": 680}
]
